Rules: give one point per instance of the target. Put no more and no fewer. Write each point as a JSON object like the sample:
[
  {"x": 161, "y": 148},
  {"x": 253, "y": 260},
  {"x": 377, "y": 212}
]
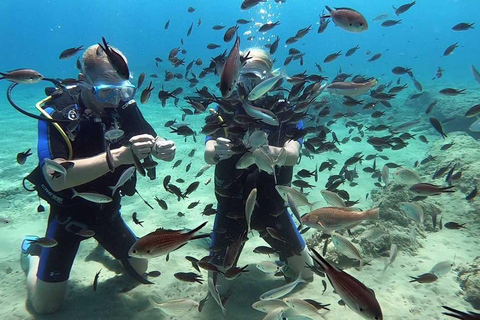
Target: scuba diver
[
  {"x": 234, "y": 183},
  {"x": 90, "y": 136}
]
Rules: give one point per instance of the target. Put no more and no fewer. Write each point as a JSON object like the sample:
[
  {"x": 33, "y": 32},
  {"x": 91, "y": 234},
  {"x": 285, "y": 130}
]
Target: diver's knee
[
  {"x": 140, "y": 265},
  {"x": 300, "y": 263},
  {"x": 48, "y": 297}
]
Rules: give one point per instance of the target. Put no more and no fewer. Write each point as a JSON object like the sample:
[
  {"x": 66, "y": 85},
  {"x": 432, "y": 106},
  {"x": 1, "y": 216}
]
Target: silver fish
[
  {"x": 442, "y": 268},
  {"x": 345, "y": 247},
  {"x": 175, "y": 308},
  {"x": 392, "y": 256},
  {"x": 333, "y": 199},
  {"x": 250, "y": 206},
  {"x": 263, "y": 87},
  {"x": 92, "y": 196},
  {"x": 126, "y": 175},
  {"x": 303, "y": 308},
  {"x": 283, "y": 290},
  {"x": 263, "y": 115},
  {"x": 212, "y": 288},
  {"x": 299, "y": 198},
  {"x": 412, "y": 211},
  {"x": 245, "y": 161},
  {"x": 268, "y": 305},
  {"x": 293, "y": 207},
  {"x": 385, "y": 175}
]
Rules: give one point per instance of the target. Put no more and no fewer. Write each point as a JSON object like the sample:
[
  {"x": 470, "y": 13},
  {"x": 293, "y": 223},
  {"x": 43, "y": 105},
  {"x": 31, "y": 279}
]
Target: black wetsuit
[
  {"x": 69, "y": 216},
  {"x": 232, "y": 187}
]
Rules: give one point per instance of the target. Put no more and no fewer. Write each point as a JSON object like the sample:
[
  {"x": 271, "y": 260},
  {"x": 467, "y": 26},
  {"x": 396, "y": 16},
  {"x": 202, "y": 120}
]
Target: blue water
[{"x": 34, "y": 33}]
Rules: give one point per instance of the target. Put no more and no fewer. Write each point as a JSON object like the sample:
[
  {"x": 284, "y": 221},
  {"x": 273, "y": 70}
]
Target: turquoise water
[{"x": 34, "y": 34}]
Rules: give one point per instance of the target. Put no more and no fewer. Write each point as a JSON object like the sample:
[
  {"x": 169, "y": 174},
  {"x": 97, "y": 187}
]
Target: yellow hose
[
  {"x": 38, "y": 105},
  {"x": 220, "y": 120}
]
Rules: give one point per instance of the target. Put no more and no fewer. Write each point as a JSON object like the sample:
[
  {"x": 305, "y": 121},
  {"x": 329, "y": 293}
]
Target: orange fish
[{"x": 331, "y": 218}]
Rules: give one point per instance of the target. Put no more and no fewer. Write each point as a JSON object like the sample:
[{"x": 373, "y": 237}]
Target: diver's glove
[
  {"x": 223, "y": 148},
  {"x": 163, "y": 149}
]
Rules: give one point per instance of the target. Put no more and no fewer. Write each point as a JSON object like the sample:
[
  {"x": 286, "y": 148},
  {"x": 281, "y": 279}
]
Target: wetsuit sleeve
[
  {"x": 50, "y": 143},
  {"x": 300, "y": 126},
  {"x": 133, "y": 121},
  {"x": 208, "y": 137}
]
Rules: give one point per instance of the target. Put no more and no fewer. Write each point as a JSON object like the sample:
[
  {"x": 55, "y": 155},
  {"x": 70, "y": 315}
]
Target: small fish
[
  {"x": 231, "y": 70},
  {"x": 250, "y": 206},
  {"x": 454, "y": 225},
  {"x": 425, "y": 278},
  {"x": 145, "y": 96},
  {"x": 247, "y": 4},
  {"x": 268, "y": 26},
  {"x": 230, "y": 33},
  {"x": 463, "y": 26},
  {"x": 412, "y": 211},
  {"x": 427, "y": 189},
  {"x": 26, "y": 76},
  {"x": 460, "y": 314},
  {"x": 347, "y": 19},
  {"x": 92, "y": 196},
  {"x": 152, "y": 274},
  {"x": 283, "y": 290},
  {"x": 332, "y": 57},
  {"x": 86, "y": 233},
  {"x": 175, "y": 308},
  {"x": 472, "y": 194},
  {"x": 127, "y": 174},
  {"x": 390, "y": 23},
  {"x": 95, "y": 280},
  {"x": 44, "y": 242},
  {"x": 167, "y": 24},
  {"x": 70, "y": 52},
  {"x": 437, "y": 126},
  {"x": 476, "y": 74},
  {"x": 162, "y": 242},
  {"x": 442, "y": 268},
  {"x": 22, "y": 156},
  {"x": 345, "y": 247},
  {"x": 161, "y": 203},
  {"x": 392, "y": 256},
  {"x": 135, "y": 219},
  {"x": 450, "y": 49},
  {"x": 403, "y": 8},
  {"x": 116, "y": 60},
  {"x": 189, "y": 277}
]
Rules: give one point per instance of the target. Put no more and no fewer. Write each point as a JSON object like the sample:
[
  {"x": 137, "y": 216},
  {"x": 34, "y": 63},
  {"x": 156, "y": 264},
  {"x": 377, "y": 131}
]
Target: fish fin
[
  {"x": 75, "y": 193},
  {"x": 197, "y": 229},
  {"x": 320, "y": 260},
  {"x": 200, "y": 236}
]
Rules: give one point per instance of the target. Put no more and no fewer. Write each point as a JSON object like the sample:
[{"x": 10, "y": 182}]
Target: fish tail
[
  {"x": 75, "y": 193},
  {"x": 192, "y": 232},
  {"x": 448, "y": 189},
  {"x": 373, "y": 213},
  {"x": 200, "y": 236},
  {"x": 320, "y": 260}
]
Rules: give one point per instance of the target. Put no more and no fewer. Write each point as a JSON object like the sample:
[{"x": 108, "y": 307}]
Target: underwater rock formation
[{"x": 469, "y": 278}]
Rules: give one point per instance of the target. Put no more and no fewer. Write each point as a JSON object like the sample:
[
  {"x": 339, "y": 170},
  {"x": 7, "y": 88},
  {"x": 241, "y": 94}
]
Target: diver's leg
[
  {"x": 48, "y": 273},
  {"x": 113, "y": 234},
  {"x": 45, "y": 297}
]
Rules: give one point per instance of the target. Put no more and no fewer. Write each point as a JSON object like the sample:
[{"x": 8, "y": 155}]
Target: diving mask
[{"x": 110, "y": 92}]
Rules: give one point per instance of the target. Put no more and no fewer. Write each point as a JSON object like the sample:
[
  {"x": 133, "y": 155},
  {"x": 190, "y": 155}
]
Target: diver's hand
[
  {"x": 223, "y": 148},
  {"x": 141, "y": 145},
  {"x": 278, "y": 154},
  {"x": 163, "y": 149}
]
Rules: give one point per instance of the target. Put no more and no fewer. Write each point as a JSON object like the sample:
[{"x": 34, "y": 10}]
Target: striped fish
[
  {"x": 355, "y": 294},
  {"x": 345, "y": 247},
  {"x": 162, "y": 242}
]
